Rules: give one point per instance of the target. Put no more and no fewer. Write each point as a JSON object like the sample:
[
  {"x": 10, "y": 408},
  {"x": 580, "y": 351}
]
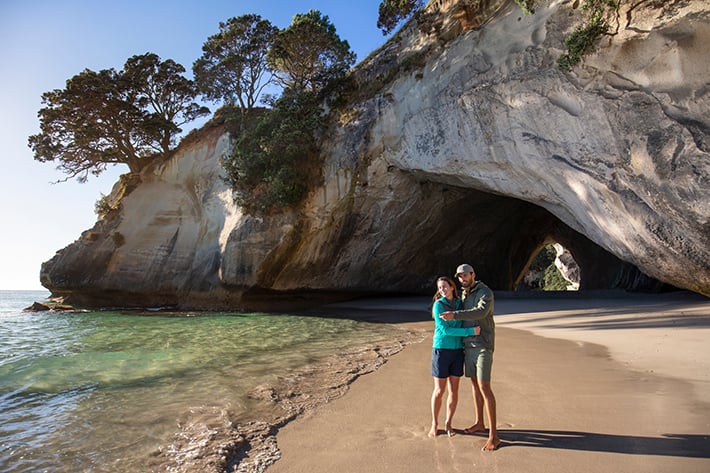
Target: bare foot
[
  {"x": 475, "y": 428},
  {"x": 450, "y": 431},
  {"x": 491, "y": 445},
  {"x": 433, "y": 431}
]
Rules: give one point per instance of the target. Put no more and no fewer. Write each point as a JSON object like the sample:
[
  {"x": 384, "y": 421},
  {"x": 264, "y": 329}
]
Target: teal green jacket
[
  {"x": 448, "y": 334},
  {"x": 478, "y": 308}
]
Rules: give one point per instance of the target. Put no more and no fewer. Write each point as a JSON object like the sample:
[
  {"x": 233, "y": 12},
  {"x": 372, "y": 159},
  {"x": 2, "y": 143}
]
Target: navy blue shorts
[{"x": 446, "y": 362}]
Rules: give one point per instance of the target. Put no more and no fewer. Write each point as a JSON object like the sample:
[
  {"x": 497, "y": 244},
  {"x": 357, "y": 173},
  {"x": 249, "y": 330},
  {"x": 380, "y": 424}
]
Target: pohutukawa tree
[
  {"x": 393, "y": 12},
  {"x": 309, "y": 53},
  {"x": 233, "y": 66},
  {"x": 115, "y": 117}
]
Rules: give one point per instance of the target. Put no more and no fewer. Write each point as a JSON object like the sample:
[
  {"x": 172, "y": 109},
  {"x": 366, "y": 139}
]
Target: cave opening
[
  {"x": 552, "y": 268},
  {"x": 501, "y": 237}
]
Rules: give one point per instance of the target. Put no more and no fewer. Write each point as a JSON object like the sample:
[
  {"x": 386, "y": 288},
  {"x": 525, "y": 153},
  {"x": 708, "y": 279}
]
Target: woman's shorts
[{"x": 446, "y": 362}]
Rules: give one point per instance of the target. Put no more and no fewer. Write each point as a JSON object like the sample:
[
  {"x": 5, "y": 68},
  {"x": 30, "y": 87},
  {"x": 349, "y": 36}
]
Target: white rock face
[
  {"x": 568, "y": 267},
  {"x": 617, "y": 150},
  {"x": 467, "y": 145}
]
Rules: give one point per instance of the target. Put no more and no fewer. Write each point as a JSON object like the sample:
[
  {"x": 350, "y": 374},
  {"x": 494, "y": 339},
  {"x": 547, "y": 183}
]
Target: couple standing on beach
[{"x": 464, "y": 337}]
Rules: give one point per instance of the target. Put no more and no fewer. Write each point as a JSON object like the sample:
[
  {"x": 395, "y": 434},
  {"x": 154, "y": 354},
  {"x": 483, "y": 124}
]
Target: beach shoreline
[{"x": 584, "y": 383}]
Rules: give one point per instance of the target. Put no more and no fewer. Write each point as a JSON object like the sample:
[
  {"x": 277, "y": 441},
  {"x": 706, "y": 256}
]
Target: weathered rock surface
[{"x": 464, "y": 142}]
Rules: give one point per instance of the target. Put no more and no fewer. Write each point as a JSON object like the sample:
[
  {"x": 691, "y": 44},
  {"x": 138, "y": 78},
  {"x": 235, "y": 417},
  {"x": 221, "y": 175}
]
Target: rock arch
[{"x": 502, "y": 235}]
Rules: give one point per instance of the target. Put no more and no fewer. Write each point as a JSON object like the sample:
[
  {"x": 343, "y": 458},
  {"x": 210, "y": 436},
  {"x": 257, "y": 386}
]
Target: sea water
[{"x": 103, "y": 391}]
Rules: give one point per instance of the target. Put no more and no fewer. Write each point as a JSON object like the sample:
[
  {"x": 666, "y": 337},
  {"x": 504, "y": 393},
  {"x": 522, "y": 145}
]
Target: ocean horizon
[{"x": 122, "y": 390}]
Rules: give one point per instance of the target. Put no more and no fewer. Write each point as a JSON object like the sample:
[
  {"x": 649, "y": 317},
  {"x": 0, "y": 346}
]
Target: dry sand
[{"x": 612, "y": 383}]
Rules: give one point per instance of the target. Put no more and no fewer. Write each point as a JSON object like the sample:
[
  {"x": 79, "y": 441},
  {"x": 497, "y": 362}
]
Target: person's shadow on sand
[{"x": 677, "y": 445}]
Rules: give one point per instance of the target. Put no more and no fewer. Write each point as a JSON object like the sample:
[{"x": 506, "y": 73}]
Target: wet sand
[{"x": 583, "y": 383}]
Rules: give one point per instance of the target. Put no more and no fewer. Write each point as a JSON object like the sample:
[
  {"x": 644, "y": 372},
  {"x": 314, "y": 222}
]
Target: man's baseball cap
[{"x": 464, "y": 268}]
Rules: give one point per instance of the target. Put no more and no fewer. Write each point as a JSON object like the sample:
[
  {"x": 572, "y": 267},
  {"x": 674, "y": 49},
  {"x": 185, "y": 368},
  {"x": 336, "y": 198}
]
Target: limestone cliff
[{"x": 463, "y": 142}]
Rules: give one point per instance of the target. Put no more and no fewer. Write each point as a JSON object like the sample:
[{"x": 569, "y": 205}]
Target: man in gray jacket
[{"x": 478, "y": 307}]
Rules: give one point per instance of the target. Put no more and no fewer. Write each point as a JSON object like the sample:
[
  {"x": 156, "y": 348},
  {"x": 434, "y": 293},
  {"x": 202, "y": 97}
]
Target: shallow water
[{"x": 107, "y": 391}]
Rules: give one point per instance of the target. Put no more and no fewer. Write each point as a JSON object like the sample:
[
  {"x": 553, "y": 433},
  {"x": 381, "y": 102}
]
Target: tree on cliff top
[
  {"x": 233, "y": 65},
  {"x": 110, "y": 117},
  {"x": 309, "y": 53},
  {"x": 393, "y": 12},
  {"x": 276, "y": 157}
]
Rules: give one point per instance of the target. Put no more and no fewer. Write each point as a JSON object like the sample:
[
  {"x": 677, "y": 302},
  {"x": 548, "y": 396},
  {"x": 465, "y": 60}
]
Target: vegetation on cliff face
[
  {"x": 112, "y": 202},
  {"x": 393, "y": 12},
  {"x": 276, "y": 154},
  {"x": 528, "y": 6},
  {"x": 598, "y": 15},
  {"x": 133, "y": 116},
  {"x": 583, "y": 40}
]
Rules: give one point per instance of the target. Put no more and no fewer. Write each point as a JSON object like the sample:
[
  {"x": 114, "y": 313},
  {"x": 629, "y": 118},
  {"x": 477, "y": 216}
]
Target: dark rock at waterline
[{"x": 42, "y": 307}]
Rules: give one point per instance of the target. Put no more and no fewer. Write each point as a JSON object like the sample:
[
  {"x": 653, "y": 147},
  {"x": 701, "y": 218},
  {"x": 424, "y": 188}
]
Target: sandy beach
[{"x": 602, "y": 382}]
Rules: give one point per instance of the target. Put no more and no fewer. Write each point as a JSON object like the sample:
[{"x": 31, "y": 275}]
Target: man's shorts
[
  {"x": 446, "y": 362},
  {"x": 479, "y": 363}
]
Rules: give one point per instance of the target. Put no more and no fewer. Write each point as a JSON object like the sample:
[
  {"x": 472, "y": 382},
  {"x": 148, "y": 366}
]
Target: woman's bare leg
[
  {"x": 453, "y": 383},
  {"x": 436, "y": 398}
]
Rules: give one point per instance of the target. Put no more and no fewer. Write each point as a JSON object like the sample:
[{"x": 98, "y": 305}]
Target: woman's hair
[{"x": 450, "y": 282}]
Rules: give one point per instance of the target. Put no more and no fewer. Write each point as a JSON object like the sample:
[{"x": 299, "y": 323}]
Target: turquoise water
[{"x": 103, "y": 391}]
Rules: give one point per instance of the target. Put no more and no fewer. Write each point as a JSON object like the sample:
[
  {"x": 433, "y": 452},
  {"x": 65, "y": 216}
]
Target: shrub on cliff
[
  {"x": 584, "y": 38},
  {"x": 276, "y": 156}
]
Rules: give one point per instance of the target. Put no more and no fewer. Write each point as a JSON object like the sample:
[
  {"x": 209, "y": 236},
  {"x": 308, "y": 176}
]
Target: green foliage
[
  {"x": 553, "y": 280},
  {"x": 275, "y": 156},
  {"x": 111, "y": 117},
  {"x": 544, "y": 263},
  {"x": 103, "y": 206},
  {"x": 544, "y": 258},
  {"x": 309, "y": 54},
  {"x": 528, "y": 6},
  {"x": 165, "y": 97},
  {"x": 393, "y": 12},
  {"x": 233, "y": 66},
  {"x": 109, "y": 203},
  {"x": 583, "y": 39}
]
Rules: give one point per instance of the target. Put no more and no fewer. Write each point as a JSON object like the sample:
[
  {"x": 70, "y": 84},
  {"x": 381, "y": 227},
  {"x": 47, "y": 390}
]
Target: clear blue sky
[{"x": 45, "y": 42}]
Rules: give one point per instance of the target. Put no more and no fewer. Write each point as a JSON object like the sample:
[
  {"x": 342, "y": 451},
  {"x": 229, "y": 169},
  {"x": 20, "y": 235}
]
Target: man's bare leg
[
  {"x": 478, "y": 405},
  {"x": 490, "y": 400}
]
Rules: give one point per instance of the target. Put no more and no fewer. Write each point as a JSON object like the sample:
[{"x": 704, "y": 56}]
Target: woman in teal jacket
[{"x": 447, "y": 353}]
